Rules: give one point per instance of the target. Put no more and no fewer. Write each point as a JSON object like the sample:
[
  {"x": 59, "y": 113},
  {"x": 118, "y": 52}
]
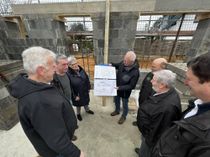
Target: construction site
[{"x": 98, "y": 32}]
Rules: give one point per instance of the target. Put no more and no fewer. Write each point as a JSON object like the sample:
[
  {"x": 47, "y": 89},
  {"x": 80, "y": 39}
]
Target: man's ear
[
  {"x": 40, "y": 70},
  {"x": 163, "y": 65}
]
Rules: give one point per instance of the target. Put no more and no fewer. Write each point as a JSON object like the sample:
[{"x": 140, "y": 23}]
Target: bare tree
[{"x": 5, "y": 7}]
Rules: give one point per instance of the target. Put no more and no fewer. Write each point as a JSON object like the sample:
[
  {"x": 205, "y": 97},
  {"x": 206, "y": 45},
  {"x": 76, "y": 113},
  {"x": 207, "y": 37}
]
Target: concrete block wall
[
  {"x": 42, "y": 31},
  {"x": 201, "y": 39},
  {"x": 2, "y": 45},
  {"x": 8, "y": 104},
  {"x": 14, "y": 47},
  {"x": 122, "y": 35},
  {"x": 44, "y": 27},
  {"x": 98, "y": 36},
  {"x": 160, "y": 47}
]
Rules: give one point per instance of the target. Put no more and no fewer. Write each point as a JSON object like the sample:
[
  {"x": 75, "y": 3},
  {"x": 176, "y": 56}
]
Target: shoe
[
  {"x": 137, "y": 150},
  {"x": 79, "y": 117},
  {"x": 114, "y": 113},
  {"x": 74, "y": 138},
  {"x": 121, "y": 120},
  {"x": 134, "y": 123},
  {"x": 90, "y": 112}
]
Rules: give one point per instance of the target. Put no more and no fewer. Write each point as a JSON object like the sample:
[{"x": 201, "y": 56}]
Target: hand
[
  {"x": 82, "y": 154},
  {"x": 77, "y": 98}
]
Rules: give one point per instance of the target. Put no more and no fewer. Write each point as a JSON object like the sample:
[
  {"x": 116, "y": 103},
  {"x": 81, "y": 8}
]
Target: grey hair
[
  {"x": 34, "y": 57},
  {"x": 131, "y": 55},
  {"x": 59, "y": 57},
  {"x": 71, "y": 59},
  {"x": 166, "y": 77}
]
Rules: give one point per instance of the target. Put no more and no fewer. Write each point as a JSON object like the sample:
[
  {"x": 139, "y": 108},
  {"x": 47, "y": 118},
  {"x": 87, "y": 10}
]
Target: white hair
[
  {"x": 131, "y": 55},
  {"x": 34, "y": 57},
  {"x": 166, "y": 77},
  {"x": 71, "y": 60}
]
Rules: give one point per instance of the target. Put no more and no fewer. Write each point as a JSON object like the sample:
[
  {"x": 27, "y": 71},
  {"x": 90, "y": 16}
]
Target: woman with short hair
[{"x": 80, "y": 84}]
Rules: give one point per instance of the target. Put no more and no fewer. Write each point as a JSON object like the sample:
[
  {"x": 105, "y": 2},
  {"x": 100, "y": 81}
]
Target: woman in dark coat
[{"x": 80, "y": 84}]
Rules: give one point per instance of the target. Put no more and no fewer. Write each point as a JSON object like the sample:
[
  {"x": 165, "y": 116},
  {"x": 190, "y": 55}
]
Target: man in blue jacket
[{"x": 46, "y": 116}]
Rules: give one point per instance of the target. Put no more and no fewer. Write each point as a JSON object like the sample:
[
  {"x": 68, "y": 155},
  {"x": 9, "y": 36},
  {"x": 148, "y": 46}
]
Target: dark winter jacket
[
  {"x": 146, "y": 88},
  {"x": 189, "y": 137},
  {"x": 157, "y": 114},
  {"x": 46, "y": 117},
  {"x": 81, "y": 86},
  {"x": 127, "y": 78}
]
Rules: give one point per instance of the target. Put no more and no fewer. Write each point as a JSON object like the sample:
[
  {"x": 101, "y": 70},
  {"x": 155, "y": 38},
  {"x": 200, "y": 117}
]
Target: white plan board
[
  {"x": 105, "y": 81},
  {"x": 104, "y": 87},
  {"x": 104, "y": 72}
]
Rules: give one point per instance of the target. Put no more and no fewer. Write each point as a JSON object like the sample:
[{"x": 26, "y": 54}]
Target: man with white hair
[
  {"x": 190, "y": 136},
  {"x": 127, "y": 77},
  {"x": 146, "y": 87},
  {"x": 157, "y": 113},
  {"x": 46, "y": 116}
]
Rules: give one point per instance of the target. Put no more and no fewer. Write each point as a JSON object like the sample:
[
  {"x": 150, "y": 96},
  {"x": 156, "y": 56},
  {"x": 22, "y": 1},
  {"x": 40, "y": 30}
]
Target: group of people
[
  {"x": 53, "y": 83},
  {"x": 46, "y": 92},
  {"x": 166, "y": 130}
]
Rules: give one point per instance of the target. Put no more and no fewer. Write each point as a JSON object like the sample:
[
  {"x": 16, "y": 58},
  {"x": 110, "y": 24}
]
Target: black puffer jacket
[
  {"x": 157, "y": 114},
  {"x": 80, "y": 84},
  {"x": 46, "y": 117},
  {"x": 127, "y": 78},
  {"x": 189, "y": 137},
  {"x": 146, "y": 88}
]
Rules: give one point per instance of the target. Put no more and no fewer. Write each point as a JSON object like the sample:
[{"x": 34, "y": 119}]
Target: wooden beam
[
  {"x": 106, "y": 33},
  {"x": 59, "y": 18},
  {"x": 17, "y": 19},
  {"x": 202, "y": 16}
]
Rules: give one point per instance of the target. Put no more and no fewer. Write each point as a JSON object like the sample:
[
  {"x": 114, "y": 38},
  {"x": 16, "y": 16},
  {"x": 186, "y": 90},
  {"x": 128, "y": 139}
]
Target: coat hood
[{"x": 22, "y": 86}]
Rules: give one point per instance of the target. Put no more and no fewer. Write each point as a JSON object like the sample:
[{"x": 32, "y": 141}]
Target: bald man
[
  {"x": 146, "y": 88},
  {"x": 127, "y": 77}
]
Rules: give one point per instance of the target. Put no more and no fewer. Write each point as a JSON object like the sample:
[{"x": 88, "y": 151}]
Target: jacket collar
[
  {"x": 160, "y": 97},
  {"x": 198, "y": 125},
  {"x": 134, "y": 66}
]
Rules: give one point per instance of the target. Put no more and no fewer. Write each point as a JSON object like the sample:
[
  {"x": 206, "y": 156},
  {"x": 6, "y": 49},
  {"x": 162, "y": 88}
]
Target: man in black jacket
[
  {"x": 190, "y": 137},
  {"x": 146, "y": 87},
  {"x": 157, "y": 113},
  {"x": 127, "y": 77},
  {"x": 46, "y": 116},
  {"x": 61, "y": 80}
]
